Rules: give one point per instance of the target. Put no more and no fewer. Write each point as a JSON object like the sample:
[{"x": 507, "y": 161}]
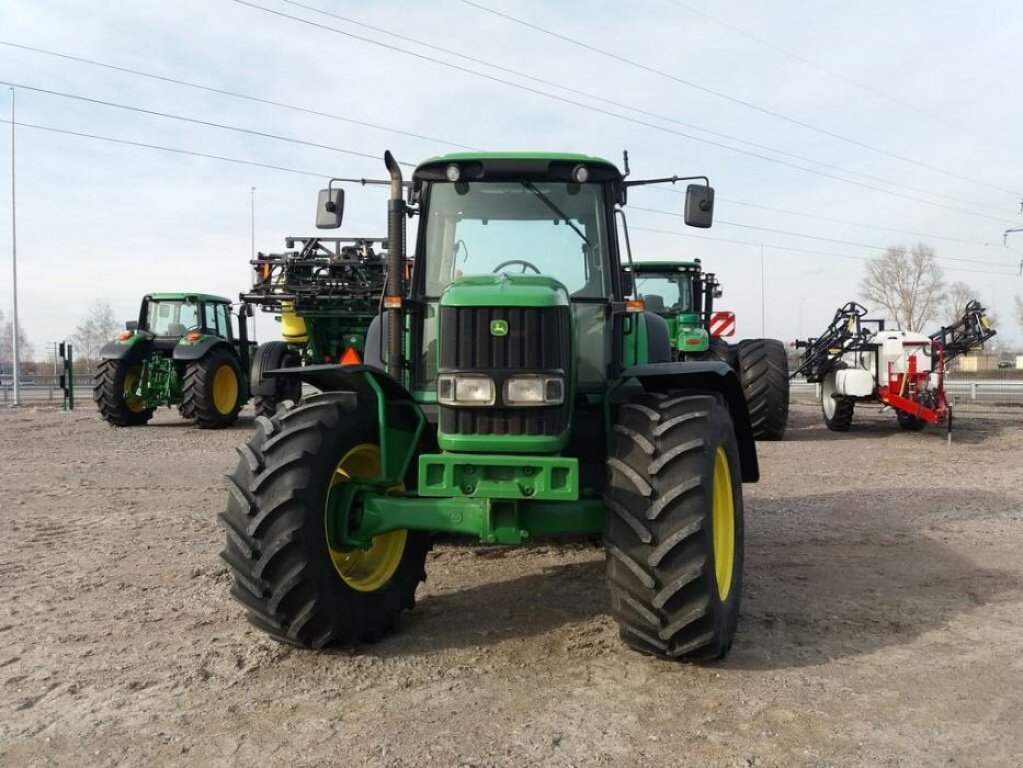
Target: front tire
[
  {"x": 269, "y": 356},
  {"x": 114, "y": 390},
  {"x": 674, "y": 529},
  {"x": 909, "y": 422},
  {"x": 763, "y": 368},
  {"x": 211, "y": 392},
  {"x": 836, "y": 410},
  {"x": 292, "y": 584}
]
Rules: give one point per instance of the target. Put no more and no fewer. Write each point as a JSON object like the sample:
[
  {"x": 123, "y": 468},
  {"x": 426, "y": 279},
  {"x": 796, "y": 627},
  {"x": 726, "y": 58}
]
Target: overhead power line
[
  {"x": 628, "y": 107},
  {"x": 626, "y": 118},
  {"x": 196, "y": 121},
  {"x": 735, "y": 100},
  {"x": 390, "y": 129},
  {"x": 173, "y": 150},
  {"x": 232, "y": 94},
  {"x": 790, "y": 233},
  {"x": 970, "y": 130},
  {"x": 794, "y": 249},
  {"x": 315, "y": 174}
]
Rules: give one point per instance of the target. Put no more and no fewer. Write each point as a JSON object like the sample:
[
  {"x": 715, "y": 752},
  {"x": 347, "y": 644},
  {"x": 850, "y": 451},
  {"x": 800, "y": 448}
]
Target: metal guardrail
[{"x": 43, "y": 388}]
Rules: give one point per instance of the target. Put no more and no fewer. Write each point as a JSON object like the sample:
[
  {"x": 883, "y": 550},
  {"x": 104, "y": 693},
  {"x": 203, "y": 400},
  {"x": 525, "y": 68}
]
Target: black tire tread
[
  {"x": 108, "y": 392},
  {"x": 763, "y": 368},
  {"x": 282, "y": 577},
  {"x": 196, "y": 390},
  {"x": 656, "y": 538}
]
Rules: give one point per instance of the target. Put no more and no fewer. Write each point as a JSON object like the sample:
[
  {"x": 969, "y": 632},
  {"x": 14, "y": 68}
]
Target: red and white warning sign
[{"x": 722, "y": 324}]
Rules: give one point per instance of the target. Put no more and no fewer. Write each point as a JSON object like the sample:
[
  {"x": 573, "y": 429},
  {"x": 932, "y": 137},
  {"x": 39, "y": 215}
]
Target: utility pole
[
  {"x": 253, "y": 221},
  {"x": 14, "y": 264},
  {"x": 763, "y": 306}
]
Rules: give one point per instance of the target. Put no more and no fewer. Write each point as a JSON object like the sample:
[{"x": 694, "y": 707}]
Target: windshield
[
  {"x": 666, "y": 293},
  {"x": 548, "y": 228},
  {"x": 172, "y": 318}
]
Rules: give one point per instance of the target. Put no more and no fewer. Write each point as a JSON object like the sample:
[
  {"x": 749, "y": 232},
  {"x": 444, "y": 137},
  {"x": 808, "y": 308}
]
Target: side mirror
[
  {"x": 131, "y": 325},
  {"x": 699, "y": 211},
  {"x": 628, "y": 284},
  {"x": 329, "y": 208}
]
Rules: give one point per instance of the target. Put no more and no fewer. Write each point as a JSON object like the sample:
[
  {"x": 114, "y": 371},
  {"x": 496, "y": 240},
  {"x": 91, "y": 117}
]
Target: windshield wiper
[{"x": 557, "y": 211}]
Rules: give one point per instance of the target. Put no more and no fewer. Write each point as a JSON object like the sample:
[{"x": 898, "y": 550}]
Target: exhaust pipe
[{"x": 394, "y": 292}]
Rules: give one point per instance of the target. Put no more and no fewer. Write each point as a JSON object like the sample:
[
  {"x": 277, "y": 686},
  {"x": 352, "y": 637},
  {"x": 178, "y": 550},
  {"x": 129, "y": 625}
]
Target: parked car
[{"x": 1006, "y": 364}]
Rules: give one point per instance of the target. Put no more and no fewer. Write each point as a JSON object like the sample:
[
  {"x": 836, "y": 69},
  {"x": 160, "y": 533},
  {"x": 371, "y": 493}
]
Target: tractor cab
[
  {"x": 173, "y": 315},
  {"x": 682, "y": 294}
]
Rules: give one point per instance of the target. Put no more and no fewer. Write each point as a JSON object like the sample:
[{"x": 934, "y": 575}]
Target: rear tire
[
  {"x": 211, "y": 392},
  {"x": 674, "y": 488},
  {"x": 113, "y": 388},
  {"x": 269, "y": 356},
  {"x": 836, "y": 410},
  {"x": 909, "y": 422},
  {"x": 277, "y": 551},
  {"x": 763, "y": 368}
]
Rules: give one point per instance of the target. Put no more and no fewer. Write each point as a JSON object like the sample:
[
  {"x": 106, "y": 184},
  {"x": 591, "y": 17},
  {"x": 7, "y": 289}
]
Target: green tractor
[
  {"x": 181, "y": 351},
  {"x": 325, "y": 292},
  {"x": 512, "y": 390},
  {"x": 683, "y": 294}
]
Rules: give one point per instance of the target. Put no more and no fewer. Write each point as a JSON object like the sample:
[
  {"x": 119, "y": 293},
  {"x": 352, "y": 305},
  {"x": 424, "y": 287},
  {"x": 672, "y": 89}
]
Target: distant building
[{"x": 977, "y": 361}]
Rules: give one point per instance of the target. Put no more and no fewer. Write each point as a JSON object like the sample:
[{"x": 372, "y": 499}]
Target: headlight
[
  {"x": 534, "y": 390},
  {"x": 465, "y": 389}
]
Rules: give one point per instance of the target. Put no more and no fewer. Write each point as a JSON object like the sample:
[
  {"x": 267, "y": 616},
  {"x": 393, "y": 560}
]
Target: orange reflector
[
  {"x": 124, "y": 335},
  {"x": 193, "y": 336},
  {"x": 635, "y": 305},
  {"x": 693, "y": 342},
  {"x": 392, "y": 302},
  {"x": 350, "y": 357}
]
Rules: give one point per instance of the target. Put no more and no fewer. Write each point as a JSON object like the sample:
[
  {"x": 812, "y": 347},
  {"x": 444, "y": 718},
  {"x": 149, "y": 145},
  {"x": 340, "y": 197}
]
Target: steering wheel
[{"x": 520, "y": 262}]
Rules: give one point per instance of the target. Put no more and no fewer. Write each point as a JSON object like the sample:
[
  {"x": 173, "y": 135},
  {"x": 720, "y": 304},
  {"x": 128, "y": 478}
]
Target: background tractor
[
  {"x": 181, "y": 351},
  {"x": 325, "y": 292},
  {"x": 683, "y": 294},
  {"x": 512, "y": 390},
  {"x": 857, "y": 360}
]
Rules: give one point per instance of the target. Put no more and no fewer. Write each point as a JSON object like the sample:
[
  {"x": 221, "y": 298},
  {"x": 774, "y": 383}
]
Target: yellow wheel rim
[
  {"x": 132, "y": 401},
  {"x": 225, "y": 389},
  {"x": 723, "y": 524},
  {"x": 366, "y": 570}
]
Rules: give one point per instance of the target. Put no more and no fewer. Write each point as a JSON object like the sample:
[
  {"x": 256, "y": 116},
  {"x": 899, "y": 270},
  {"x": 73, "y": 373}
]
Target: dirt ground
[{"x": 882, "y": 622}]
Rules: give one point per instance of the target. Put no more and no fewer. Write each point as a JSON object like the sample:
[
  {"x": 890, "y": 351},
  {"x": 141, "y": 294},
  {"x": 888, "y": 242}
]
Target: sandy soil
[{"x": 882, "y": 623}]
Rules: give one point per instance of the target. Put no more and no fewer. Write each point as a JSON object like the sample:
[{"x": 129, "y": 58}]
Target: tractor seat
[
  {"x": 175, "y": 329},
  {"x": 654, "y": 303}
]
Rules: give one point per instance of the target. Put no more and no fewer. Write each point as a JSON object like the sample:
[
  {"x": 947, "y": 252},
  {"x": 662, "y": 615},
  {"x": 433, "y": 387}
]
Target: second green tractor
[
  {"x": 512, "y": 389},
  {"x": 683, "y": 294}
]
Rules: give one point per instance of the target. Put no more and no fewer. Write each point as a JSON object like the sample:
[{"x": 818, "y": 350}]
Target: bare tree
[
  {"x": 958, "y": 295},
  {"x": 907, "y": 282},
  {"x": 96, "y": 329},
  {"x": 1018, "y": 308},
  {"x": 25, "y": 349}
]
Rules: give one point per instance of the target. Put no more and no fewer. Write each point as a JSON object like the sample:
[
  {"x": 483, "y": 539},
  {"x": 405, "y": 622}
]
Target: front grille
[{"x": 538, "y": 339}]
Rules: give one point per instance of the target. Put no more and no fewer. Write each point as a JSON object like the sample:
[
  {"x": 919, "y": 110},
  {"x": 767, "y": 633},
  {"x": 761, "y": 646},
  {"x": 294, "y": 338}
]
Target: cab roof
[
  {"x": 495, "y": 165},
  {"x": 664, "y": 265},
  {"x": 208, "y": 297}
]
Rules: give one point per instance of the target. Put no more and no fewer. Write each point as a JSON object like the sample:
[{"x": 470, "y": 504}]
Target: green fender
[
  {"x": 132, "y": 349},
  {"x": 705, "y": 376},
  {"x": 193, "y": 350},
  {"x": 400, "y": 419}
]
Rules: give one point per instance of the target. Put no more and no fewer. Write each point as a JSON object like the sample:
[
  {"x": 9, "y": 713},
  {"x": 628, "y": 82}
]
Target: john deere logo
[{"x": 498, "y": 327}]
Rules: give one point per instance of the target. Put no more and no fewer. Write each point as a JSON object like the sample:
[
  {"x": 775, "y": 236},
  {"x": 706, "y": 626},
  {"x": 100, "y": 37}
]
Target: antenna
[{"x": 625, "y": 162}]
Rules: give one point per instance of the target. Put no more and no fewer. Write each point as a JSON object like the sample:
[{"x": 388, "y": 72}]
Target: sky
[{"x": 915, "y": 105}]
